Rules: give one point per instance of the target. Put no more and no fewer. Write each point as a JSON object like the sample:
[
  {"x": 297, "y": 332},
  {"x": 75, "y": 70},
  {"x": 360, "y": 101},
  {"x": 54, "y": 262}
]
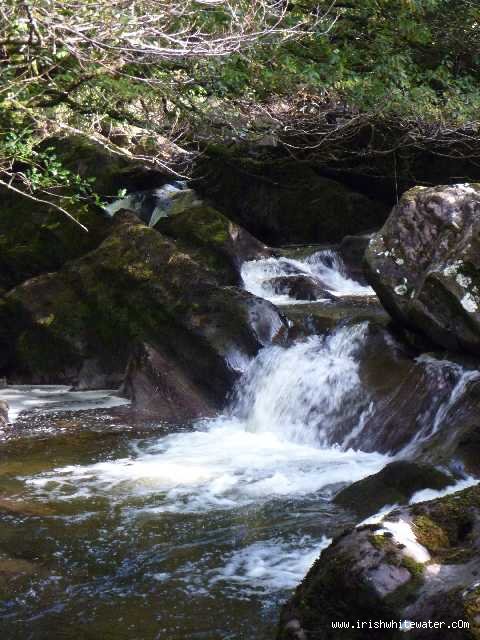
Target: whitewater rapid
[
  {"x": 274, "y": 440},
  {"x": 325, "y": 267},
  {"x": 270, "y": 448}
]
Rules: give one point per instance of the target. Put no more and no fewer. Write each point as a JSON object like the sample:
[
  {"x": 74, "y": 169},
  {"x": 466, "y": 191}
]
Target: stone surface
[
  {"x": 394, "y": 484},
  {"x": 300, "y": 287},
  {"x": 421, "y": 563},
  {"x": 352, "y": 249},
  {"x": 214, "y": 239},
  {"x": 139, "y": 297},
  {"x": 425, "y": 264}
]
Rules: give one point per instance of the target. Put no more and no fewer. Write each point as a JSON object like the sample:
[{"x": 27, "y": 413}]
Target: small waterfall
[
  {"x": 292, "y": 408},
  {"x": 308, "y": 393},
  {"x": 326, "y": 268}
]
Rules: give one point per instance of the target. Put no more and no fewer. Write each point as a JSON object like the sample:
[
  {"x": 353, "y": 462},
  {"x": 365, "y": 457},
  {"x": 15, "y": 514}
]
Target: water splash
[
  {"x": 325, "y": 267},
  {"x": 276, "y": 440},
  {"x": 307, "y": 393}
]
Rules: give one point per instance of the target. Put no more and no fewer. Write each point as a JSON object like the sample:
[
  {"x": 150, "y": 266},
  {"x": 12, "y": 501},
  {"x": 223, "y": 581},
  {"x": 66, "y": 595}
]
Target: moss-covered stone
[
  {"x": 395, "y": 484},
  {"x": 138, "y": 290},
  {"x": 214, "y": 240},
  {"x": 368, "y": 575},
  {"x": 35, "y": 239},
  {"x": 446, "y": 527}
]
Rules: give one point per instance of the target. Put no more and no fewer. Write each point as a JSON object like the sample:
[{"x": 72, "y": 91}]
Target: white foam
[
  {"x": 326, "y": 267},
  {"x": 276, "y": 441},
  {"x": 56, "y": 398},
  {"x": 431, "y": 494},
  {"x": 273, "y": 565},
  {"x": 222, "y": 467}
]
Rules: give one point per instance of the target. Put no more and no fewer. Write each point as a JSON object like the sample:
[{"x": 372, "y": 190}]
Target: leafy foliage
[{"x": 156, "y": 79}]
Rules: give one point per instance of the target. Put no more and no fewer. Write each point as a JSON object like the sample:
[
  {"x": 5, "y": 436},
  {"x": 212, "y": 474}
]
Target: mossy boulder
[
  {"x": 424, "y": 264},
  {"x": 137, "y": 292},
  {"x": 395, "y": 484},
  {"x": 35, "y": 239},
  {"x": 214, "y": 240},
  {"x": 284, "y": 201},
  {"x": 111, "y": 171},
  {"x": 420, "y": 564}
]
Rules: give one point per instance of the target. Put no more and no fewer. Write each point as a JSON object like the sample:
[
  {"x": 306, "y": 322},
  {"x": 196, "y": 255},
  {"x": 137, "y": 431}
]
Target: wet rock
[
  {"x": 420, "y": 563},
  {"x": 421, "y": 409},
  {"x": 158, "y": 385},
  {"x": 311, "y": 319},
  {"x": 139, "y": 290},
  {"x": 300, "y": 287},
  {"x": 352, "y": 249},
  {"x": 425, "y": 264},
  {"x": 3, "y": 413},
  {"x": 23, "y": 508},
  {"x": 394, "y": 484}
]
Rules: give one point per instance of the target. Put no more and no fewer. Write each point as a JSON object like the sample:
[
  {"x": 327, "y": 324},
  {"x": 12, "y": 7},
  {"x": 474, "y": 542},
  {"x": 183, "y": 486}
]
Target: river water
[{"x": 197, "y": 532}]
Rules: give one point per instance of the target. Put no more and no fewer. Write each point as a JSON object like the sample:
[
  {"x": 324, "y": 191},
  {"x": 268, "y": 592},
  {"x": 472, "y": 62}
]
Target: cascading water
[
  {"x": 304, "y": 393},
  {"x": 325, "y": 267},
  {"x": 221, "y": 519},
  {"x": 287, "y": 410},
  {"x": 230, "y": 514}
]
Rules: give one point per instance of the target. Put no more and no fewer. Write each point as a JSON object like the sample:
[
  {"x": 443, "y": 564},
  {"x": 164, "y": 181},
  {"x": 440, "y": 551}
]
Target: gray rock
[
  {"x": 394, "y": 484},
  {"x": 300, "y": 287},
  {"x": 145, "y": 301},
  {"x": 424, "y": 264},
  {"x": 421, "y": 563}
]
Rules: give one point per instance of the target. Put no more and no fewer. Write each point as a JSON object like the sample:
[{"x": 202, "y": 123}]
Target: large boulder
[
  {"x": 36, "y": 238},
  {"x": 139, "y": 298},
  {"x": 424, "y": 264},
  {"x": 285, "y": 201},
  {"x": 419, "y": 564},
  {"x": 213, "y": 239}
]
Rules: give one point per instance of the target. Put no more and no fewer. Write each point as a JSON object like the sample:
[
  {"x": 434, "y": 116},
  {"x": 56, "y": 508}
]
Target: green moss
[
  {"x": 416, "y": 568},
  {"x": 380, "y": 541},
  {"x": 204, "y": 233},
  {"x": 429, "y": 534},
  {"x": 445, "y": 526},
  {"x": 472, "y": 611}
]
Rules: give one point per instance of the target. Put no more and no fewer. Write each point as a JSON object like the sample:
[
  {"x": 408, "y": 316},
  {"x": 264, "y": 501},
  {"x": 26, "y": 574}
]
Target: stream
[{"x": 193, "y": 532}]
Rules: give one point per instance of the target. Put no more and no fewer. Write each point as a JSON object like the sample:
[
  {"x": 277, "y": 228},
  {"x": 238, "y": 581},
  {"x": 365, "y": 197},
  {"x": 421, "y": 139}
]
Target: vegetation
[{"x": 160, "y": 80}]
